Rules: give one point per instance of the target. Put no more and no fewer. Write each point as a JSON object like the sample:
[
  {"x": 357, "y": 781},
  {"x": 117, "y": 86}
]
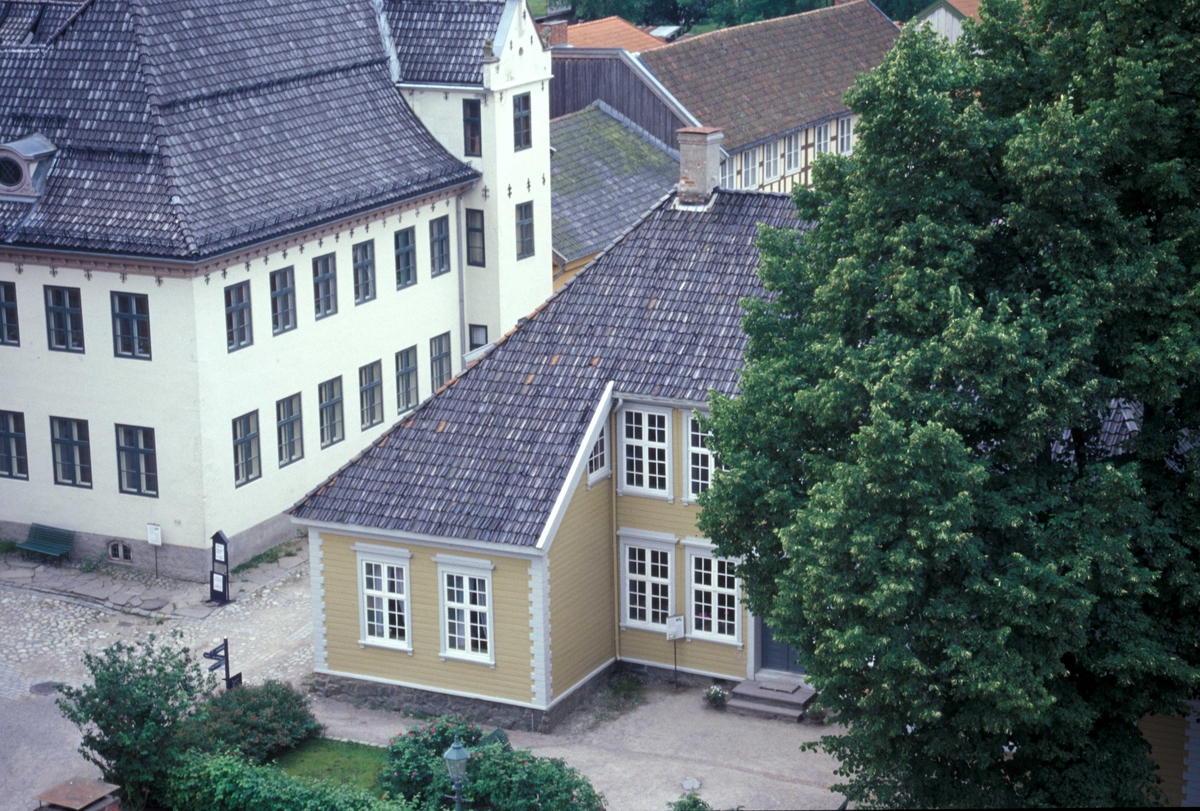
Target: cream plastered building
[{"x": 210, "y": 301}]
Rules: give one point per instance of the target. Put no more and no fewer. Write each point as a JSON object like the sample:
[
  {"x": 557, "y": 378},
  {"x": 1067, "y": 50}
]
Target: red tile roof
[
  {"x": 969, "y": 8},
  {"x": 611, "y": 32}
]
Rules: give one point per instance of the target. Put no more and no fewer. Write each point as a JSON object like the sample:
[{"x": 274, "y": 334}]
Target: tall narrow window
[
  {"x": 478, "y": 335},
  {"x": 289, "y": 430},
  {"x": 283, "y": 300},
  {"x": 10, "y": 334},
  {"x": 246, "y": 467},
  {"x": 137, "y": 460},
  {"x": 64, "y": 319},
  {"x": 406, "y": 257},
  {"x": 14, "y": 461},
  {"x": 475, "y": 254},
  {"x": 472, "y": 128},
  {"x": 325, "y": 285},
  {"x": 699, "y": 458},
  {"x": 598, "y": 458},
  {"x": 439, "y": 246},
  {"x": 647, "y": 586},
  {"x": 714, "y": 603},
  {"x": 72, "y": 452},
  {"x": 846, "y": 135},
  {"x": 238, "y": 328},
  {"x": 364, "y": 271},
  {"x": 439, "y": 360},
  {"x": 329, "y": 402},
  {"x": 406, "y": 379},
  {"x": 791, "y": 153},
  {"x": 522, "y": 122},
  {"x": 384, "y": 604},
  {"x": 770, "y": 154},
  {"x": 727, "y": 174},
  {"x": 370, "y": 394},
  {"x": 646, "y": 451},
  {"x": 131, "y": 325},
  {"x": 750, "y": 168},
  {"x": 524, "y": 230},
  {"x": 467, "y": 628},
  {"x": 823, "y": 137}
]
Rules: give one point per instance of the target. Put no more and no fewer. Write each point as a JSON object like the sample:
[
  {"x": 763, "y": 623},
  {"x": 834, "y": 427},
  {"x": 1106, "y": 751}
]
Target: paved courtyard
[{"x": 638, "y": 758}]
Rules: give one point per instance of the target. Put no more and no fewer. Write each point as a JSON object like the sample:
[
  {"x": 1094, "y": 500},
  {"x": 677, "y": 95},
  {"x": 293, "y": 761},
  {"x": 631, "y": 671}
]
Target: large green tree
[{"x": 961, "y": 467}]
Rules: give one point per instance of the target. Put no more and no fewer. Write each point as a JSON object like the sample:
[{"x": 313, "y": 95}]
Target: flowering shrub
[
  {"x": 415, "y": 766},
  {"x": 716, "y": 697}
]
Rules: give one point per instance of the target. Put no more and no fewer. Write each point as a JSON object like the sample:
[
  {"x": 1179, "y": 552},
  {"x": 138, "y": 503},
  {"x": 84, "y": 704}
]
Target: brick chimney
[
  {"x": 553, "y": 33},
  {"x": 699, "y": 163}
]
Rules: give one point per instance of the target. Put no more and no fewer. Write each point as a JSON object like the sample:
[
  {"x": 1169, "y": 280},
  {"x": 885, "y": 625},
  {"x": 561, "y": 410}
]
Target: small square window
[
  {"x": 406, "y": 258},
  {"x": 522, "y": 122},
  {"x": 283, "y": 300},
  {"x": 478, "y": 335},
  {"x": 64, "y": 319},
  {"x": 325, "y": 285},
  {"x": 439, "y": 360},
  {"x": 131, "y": 325},
  {"x": 525, "y": 230},
  {"x": 119, "y": 552},
  {"x": 475, "y": 253},
  {"x": 472, "y": 128},
  {"x": 137, "y": 460},
  {"x": 439, "y": 246},
  {"x": 72, "y": 452},
  {"x": 14, "y": 457},
  {"x": 364, "y": 271},
  {"x": 329, "y": 403},
  {"x": 406, "y": 379},
  {"x": 246, "y": 461},
  {"x": 370, "y": 394},
  {"x": 289, "y": 429},
  {"x": 10, "y": 334},
  {"x": 239, "y": 331}
]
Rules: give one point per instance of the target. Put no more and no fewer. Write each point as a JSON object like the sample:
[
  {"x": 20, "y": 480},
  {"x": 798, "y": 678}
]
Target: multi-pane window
[
  {"x": 522, "y": 122},
  {"x": 750, "y": 168},
  {"x": 9, "y": 332},
  {"x": 478, "y": 335},
  {"x": 439, "y": 360},
  {"x": 714, "y": 598},
  {"x": 289, "y": 430},
  {"x": 467, "y": 614},
  {"x": 699, "y": 458},
  {"x": 14, "y": 461},
  {"x": 598, "y": 458},
  {"x": 439, "y": 246},
  {"x": 131, "y": 325},
  {"x": 791, "y": 153},
  {"x": 329, "y": 405},
  {"x": 137, "y": 460},
  {"x": 846, "y": 135},
  {"x": 385, "y": 606},
  {"x": 64, "y": 319},
  {"x": 472, "y": 128},
  {"x": 364, "y": 271},
  {"x": 370, "y": 393},
  {"x": 475, "y": 253},
  {"x": 646, "y": 451},
  {"x": 406, "y": 379},
  {"x": 246, "y": 461},
  {"x": 283, "y": 300},
  {"x": 727, "y": 174},
  {"x": 239, "y": 331},
  {"x": 72, "y": 452},
  {"x": 406, "y": 257},
  {"x": 770, "y": 161},
  {"x": 647, "y": 585},
  {"x": 822, "y": 137},
  {"x": 524, "y": 230},
  {"x": 325, "y": 285}
]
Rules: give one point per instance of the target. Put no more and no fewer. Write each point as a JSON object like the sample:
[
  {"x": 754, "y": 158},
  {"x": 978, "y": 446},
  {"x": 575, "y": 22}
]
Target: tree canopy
[{"x": 961, "y": 465}]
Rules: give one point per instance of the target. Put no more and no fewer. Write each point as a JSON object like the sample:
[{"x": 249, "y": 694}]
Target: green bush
[
  {"x": 690, "y": 802},
  {"x": 496, "y": 779},
  {"x": 200, "y": 782},
  {"x": 258, "y": 721}
]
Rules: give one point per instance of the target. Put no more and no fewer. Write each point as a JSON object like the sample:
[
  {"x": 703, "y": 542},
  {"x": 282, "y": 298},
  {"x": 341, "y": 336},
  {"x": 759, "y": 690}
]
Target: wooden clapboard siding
[
  {"x": 694, "y": 654},
  {"x": 509, "y": 679},
  {"x": 1166, "y": 737},
  {"x": 562, "y": 275},
  {"x": 582, "y": 615}
]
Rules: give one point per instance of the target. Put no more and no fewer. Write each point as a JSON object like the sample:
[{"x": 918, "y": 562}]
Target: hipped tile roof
[
  {"x": 441, "y": 41},
  {"x": 186, "y": 129},
  {"x": 611, "y": 32},
  {"x": 763, "y": 79},
  {"x": 604, "y": 178},
  {"x": 658, "y": 314}
]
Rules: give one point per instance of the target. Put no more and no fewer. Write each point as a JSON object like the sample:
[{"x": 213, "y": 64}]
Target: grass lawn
[{"x": 342, "y": 762}]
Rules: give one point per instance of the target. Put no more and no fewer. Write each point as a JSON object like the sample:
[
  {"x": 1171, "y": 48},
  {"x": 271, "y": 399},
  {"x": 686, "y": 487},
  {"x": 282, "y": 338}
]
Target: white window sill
[
  {"x": 598, "y": 477},
  {"x": 640, "y": 626},
  {"x": 658, "y": 495},
  {"x": 471, "y": 660},
  {"x": 379, "y": 643},
  {"x": 716, "y": 639}
]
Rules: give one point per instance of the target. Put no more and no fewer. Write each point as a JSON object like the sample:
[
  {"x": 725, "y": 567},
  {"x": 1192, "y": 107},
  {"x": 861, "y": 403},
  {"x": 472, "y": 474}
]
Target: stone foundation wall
[{"x": 667, "y": 675}]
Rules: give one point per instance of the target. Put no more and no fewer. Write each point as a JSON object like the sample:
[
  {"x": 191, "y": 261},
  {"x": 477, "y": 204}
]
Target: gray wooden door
[{"x": 777, "y": 655}]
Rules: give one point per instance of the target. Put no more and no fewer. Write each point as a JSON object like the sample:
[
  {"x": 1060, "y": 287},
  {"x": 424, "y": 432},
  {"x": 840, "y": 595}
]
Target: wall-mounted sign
[{"x": 154, "y": 534}]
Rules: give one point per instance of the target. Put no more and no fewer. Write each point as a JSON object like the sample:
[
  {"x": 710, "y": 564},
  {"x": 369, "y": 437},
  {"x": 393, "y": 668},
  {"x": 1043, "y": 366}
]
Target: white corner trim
[
  {"x": 381, "y": 551},
  {"x": 539, "y": 631},
  {"x": 456, "y": 562},
  {"x": 578, "y": 465},
  {"x": 647, "y": 536},
  {"x": 316, "y": 571}
]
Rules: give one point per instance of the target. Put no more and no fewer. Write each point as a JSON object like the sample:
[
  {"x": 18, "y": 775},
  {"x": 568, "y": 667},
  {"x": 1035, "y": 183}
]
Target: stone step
[
  {"x": 792, "y": 697},
  {"x": 740, "y": 706}
]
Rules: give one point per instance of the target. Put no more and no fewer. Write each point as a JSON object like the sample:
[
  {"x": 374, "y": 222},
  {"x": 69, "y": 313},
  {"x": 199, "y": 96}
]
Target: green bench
[
  {"x": 498, "y": 736},
  {"x": 50, "y": 541}
]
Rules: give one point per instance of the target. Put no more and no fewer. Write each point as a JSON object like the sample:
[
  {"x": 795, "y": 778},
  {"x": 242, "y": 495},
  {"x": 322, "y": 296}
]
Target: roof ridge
[{"x": 698, "y": 37}]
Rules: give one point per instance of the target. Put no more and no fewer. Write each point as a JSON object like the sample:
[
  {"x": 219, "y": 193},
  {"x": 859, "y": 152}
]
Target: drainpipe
[
  {"x": 463, "y": 341},
  {"x": 612, "y": 450}
]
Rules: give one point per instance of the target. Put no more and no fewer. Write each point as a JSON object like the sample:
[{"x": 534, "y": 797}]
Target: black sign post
[
  {"x": 220, "y": 657},
  {"x": 218, "y": 578}
]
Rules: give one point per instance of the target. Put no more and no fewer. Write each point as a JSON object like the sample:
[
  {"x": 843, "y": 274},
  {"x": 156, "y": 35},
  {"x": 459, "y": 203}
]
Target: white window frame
[
  {"x": 821, "y": 138},
  {"x": 626, "y": 489},
  {"x": 845, "y": 144},
  {"x": 466, "y": 568},
  {"x": 771, "y": 162},
  {"x": 728, "y": 173},
  {"x": 698, "y": 548},
  {"x": 791, "y": 153},
  {"x": 650, "y": 541},
  {"x": 688, "y": 496},
  {"x": 599, "y": 468},
  {"x": 749, "y": 166},
  {"x": 384, "y": 556}
]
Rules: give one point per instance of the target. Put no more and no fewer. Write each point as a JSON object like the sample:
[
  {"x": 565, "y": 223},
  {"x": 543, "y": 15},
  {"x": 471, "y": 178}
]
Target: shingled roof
[
  {"x": 441, "y": 41},
  {"x": 605, "y": 177},
  {"x": 761, "y": 80},
  {"x": 611, "y": 32},
  {"x": 658, "y": 314},
  {"x": 186, "y": 128}
]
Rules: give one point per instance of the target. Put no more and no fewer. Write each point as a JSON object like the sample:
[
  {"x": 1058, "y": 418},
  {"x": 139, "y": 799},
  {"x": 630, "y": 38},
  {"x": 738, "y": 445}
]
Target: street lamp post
[{"x": 456, "y": 763}]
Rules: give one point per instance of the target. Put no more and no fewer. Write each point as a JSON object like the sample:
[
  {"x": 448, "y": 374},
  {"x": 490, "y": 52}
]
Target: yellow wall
[
  {"x": 510, "y": 679},
  {"x": 582, "y": 614},
  {"x": 1166, "y": 737},
  {"x": 563, "y": 274}
]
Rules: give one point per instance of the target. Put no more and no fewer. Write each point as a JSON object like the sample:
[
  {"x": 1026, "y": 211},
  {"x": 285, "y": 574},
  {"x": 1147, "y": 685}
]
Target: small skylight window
[
  {"x": 10, "y": 173},
  {"x": 24, "y": 165}
]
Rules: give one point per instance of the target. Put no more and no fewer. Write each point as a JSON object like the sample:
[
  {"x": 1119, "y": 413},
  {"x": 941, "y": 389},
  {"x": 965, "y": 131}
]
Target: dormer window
[{"x": 24, "y": 165}]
